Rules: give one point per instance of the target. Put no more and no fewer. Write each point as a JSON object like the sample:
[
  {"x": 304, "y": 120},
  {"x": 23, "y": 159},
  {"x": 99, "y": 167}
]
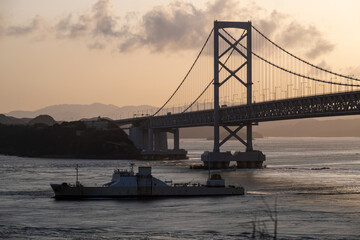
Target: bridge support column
[
  {"x": 216, "y": 148},
  {"x": 218, "y": 159},
  {"x": 150, "y": 146},
  {"x": 160, "y": 141},
  {"x": 176, "y": 139},
  {"x": 249, "y": 145},
  {"x": 136, "y": 135},
  {"x": 157, "y": 146},
  {"x": 139, "y": 135}
]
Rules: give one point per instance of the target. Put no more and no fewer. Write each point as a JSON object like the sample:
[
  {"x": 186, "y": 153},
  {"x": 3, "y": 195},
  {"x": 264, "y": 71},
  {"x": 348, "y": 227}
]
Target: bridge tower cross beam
[{"x": 217, "y": 84}]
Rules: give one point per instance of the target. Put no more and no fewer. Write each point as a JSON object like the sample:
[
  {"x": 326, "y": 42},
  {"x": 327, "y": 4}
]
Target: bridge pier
[
  {"x": 153, "y": 143},
  {"x": 252, "y": 159},
  {"x": 160, "y": 141},
  {"x": 221, "y": 160},
  {"x": 216, "y": 160},
  {"x": 150, "y": 142},
  {"x": 176, "y": 139}
]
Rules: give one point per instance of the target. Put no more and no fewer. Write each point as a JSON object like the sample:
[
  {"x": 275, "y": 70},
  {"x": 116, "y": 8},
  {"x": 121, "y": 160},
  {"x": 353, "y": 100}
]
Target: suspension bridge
[{"x": 241, "y": 78}]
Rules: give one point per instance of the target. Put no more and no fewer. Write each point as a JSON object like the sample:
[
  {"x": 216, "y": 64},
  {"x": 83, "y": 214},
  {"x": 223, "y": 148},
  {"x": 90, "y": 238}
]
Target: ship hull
[{"x": 77, "y": 192}]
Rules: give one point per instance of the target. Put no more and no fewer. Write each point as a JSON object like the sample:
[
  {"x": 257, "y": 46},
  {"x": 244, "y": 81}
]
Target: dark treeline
[{"x": 66, "y": 140}]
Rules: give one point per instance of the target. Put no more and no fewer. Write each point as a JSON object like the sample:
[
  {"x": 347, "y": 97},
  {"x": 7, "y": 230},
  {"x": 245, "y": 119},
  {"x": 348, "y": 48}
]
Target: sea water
[{"x": 310, "y": 185}]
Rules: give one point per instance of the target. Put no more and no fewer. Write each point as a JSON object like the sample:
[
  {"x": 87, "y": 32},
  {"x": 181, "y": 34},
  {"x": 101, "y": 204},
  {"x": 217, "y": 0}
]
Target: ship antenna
[
  {"x": 77, "y": 174},
  {"x": 209, "y": 167}
]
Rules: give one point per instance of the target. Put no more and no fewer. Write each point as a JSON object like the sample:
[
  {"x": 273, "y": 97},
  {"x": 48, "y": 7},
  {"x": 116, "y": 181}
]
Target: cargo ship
[{"x": 127, "y": 184}]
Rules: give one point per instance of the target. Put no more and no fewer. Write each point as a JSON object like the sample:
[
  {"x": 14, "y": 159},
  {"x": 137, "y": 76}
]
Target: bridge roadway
[{"x": 338, "y": 104}]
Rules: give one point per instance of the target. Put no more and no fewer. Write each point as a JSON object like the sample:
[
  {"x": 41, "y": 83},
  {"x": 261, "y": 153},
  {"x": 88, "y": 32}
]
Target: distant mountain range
[
  {"x": 8, "y": 120},
  {"x": 41, "y": 119},
  {"x": 321, "y": 127},
  {"x": 73, "y": 112}
]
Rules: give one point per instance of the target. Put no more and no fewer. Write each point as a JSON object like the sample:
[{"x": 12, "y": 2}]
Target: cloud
[
  {"x": 37, "y": 23},
  {"x": 104, "y": 19},
  {"x": 101, "y": 21},
  {"x": 96, "y": 45},
  {"x": 66, "y": 28},
  {"x": 321, "y": 47},
  {"x": 182, "y": 26},
  {"x": 307, "y": 38},
  {"x": 2, "y": 26},
  {"x": 165, "y": 28},
  {"x": 177, "y": 26},
  {"x": 269, "y": 24}
]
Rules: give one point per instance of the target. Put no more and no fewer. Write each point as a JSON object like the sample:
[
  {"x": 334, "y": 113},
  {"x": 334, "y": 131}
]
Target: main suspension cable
[
  {"x": 192, "y": 66},
  {"x": 310, "y": 64},
  {"x": 293, "y": 73}
]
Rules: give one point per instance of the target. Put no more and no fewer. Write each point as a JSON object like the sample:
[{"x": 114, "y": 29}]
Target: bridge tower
[{"x": 216, "y": 158}]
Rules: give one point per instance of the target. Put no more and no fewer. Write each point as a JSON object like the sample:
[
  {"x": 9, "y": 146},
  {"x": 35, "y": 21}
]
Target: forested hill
[{"x": 66, "y": 140}]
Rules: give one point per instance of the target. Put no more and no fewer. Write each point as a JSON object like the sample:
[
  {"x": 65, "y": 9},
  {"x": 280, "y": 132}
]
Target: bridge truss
[{"x": 246, "y": 63}]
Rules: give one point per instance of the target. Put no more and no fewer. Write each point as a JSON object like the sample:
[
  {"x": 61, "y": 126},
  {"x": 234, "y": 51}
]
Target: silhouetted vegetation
[
  {"x": 259, "y": 227},
  {"x": 66, "y": 140}
]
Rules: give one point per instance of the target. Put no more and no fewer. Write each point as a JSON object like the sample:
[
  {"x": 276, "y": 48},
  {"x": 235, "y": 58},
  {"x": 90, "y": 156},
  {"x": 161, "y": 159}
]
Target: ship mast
[
  {"x": 208, "y": 168},
  {"x": 77, "y": 175}
]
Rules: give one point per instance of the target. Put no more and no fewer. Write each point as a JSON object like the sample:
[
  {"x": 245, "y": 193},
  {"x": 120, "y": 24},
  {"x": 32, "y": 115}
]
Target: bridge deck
[{"x": 347, "y": 103}]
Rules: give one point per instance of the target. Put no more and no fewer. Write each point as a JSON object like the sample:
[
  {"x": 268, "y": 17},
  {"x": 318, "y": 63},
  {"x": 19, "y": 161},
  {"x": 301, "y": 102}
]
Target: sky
[{"x": 136, "y": 52}]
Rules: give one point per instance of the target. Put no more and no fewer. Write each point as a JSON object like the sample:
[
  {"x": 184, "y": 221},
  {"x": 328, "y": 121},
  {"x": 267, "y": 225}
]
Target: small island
[{"x": 88, "y": 139}]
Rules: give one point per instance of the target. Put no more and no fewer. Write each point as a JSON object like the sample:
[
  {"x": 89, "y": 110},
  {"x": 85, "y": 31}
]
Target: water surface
[{"x": 315, "y": 182}]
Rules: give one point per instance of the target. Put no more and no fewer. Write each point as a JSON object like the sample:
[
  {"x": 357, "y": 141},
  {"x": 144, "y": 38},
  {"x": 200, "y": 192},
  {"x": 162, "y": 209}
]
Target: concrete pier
[
  {"x": 253, "y": 159},
  {"x": 216, "y": 160},
  {"x": 153, "y": 143},
  {"x": 221, "y": 160}
]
